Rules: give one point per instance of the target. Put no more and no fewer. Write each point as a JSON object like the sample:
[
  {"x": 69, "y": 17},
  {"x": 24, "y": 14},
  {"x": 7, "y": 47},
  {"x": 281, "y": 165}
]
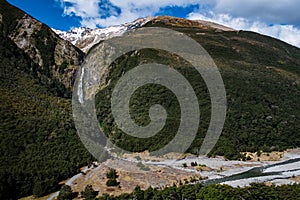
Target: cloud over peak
[
  {"x": 277, "y": 18},
  {"x": 104, "y": 13},
  {"x": 287, "y": 33}
]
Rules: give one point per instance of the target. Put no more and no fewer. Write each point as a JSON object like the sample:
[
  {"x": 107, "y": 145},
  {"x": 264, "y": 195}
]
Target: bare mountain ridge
[{"x": 86, "y": 38}]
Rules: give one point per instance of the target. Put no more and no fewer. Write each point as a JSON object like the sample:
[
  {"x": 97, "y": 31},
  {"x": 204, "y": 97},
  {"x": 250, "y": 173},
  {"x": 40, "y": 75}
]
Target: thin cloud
[
  {"x": 253, "y": 15},
  {"x": 287, "y": 33},
  {"x": 91, "y": 16},
  {"x": 267, "y": 11},
  {"x": 80, "y": 8}
]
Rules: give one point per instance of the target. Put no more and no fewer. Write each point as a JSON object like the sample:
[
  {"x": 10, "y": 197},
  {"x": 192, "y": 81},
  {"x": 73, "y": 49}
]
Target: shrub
[
  {"x": 89, "y": 193},
  {"x": 112, "y": 182}
]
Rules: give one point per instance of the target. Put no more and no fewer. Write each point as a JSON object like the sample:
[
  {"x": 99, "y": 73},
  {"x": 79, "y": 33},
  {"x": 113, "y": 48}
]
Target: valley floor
[{"x": 164, "y": 172}]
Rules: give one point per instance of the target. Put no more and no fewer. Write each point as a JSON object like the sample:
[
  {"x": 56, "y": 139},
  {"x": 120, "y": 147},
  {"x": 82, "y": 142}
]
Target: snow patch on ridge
[{"x": 86, "y": 38}]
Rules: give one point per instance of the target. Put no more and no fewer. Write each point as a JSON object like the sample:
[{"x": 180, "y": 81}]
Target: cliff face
[{"x": 56, "y": 58}]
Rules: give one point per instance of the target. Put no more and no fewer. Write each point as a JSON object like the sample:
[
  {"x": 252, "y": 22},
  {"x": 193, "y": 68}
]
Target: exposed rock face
[
  {"x": 23, "y": 36},
  {"x": 86, "y": 38},
  {"x": 64, "y": 53},
  {"x": 56, "y": 58}
]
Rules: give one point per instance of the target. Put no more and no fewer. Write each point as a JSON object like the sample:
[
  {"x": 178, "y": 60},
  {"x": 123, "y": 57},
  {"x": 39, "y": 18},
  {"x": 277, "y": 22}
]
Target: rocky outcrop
[{"x": 56, "y": 58}]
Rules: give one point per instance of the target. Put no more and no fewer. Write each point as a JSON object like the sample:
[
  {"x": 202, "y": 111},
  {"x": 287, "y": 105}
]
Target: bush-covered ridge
[
  {"x": 261, "y": 77},
  {"x": 39, "y": 145}
]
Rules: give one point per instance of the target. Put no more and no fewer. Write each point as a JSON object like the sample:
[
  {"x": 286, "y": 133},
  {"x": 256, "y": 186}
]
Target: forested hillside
[
  {"x": 261, "y": 77},
  {"x": 40, "y": 147}
]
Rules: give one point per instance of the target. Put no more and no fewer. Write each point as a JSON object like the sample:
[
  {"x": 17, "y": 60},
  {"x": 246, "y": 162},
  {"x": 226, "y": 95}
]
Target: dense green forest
[
  {"x": 256, "y": 191},
  {"x": 38, "y": 141},
  {"x": 214, "y": 192},
  {"x": 262, "y": 86}
]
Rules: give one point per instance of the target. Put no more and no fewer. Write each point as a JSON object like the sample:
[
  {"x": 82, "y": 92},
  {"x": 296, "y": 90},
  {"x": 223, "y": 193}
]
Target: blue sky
[
  {"x": 276, "y": 18},
  {"x": 49, "y": 12}
]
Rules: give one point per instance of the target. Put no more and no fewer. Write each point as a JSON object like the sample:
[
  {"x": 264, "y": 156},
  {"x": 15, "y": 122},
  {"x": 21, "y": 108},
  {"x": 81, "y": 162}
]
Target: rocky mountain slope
[
  {"x": 85, "y": 38},
  {"x": 56, "y": 58}
]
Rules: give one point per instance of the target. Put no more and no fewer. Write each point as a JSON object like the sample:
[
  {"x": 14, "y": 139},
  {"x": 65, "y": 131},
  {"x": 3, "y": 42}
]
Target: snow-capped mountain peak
[{"x": 85, "y": 38}]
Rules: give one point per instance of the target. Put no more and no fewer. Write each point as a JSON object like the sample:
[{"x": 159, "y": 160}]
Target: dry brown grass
[
  {"x": 131, "y": 176},
  {"x": 272, "y": 156},
  {"x": 296, "y": 178}
]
